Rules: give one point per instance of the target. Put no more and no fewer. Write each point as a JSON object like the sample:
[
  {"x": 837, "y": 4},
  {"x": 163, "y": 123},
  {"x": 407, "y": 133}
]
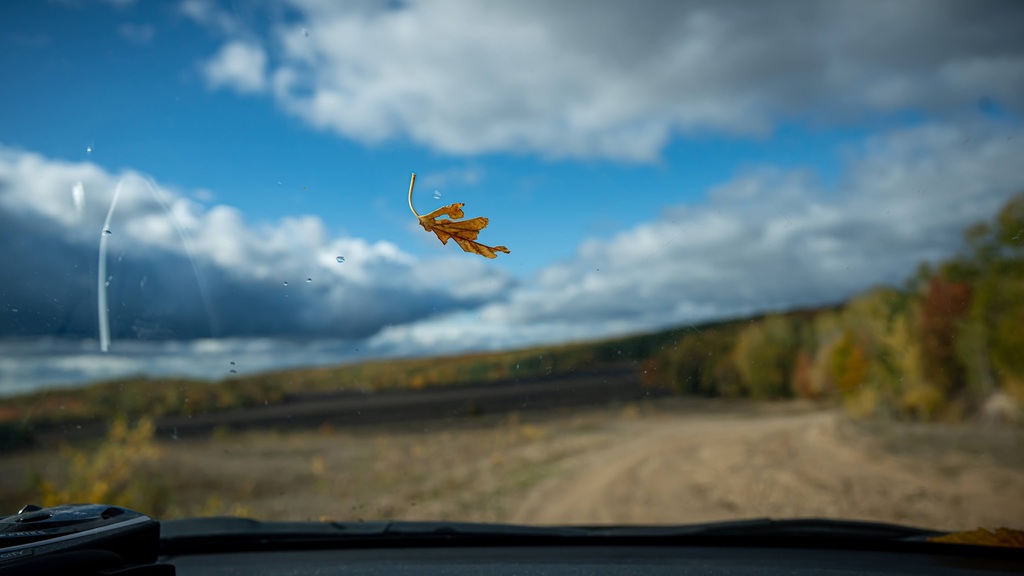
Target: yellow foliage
[
  {"x": 864, "y": 403},
  {"x": 904, "y": 349},
  {"x": 922, "y": 401},
  {"x": 116, "y": 472},
  {"x": 532, "y": 433},
  {"x": 214, "y": 506},
  {"x": 1006, "y": 537},
  {"x": 764, "y": 355},
  {"x": 1014, "y": 386},
  {"x": 849, "y": 364},
  {"x": 821, "y": 367}
]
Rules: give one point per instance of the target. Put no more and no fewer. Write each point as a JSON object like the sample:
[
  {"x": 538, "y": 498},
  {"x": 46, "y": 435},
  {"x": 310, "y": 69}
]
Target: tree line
[{"x": 947, "y": 345}]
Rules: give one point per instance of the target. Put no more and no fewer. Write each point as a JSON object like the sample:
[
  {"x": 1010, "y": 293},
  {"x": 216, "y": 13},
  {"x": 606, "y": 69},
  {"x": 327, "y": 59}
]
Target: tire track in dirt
[{"x": 698, "y": 468}]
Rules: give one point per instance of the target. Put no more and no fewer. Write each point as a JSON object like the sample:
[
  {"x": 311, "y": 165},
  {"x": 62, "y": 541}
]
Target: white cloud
[
  {"x": 239, "y": 65},
  {"x": 206, "y": 13},
  {"x": 616, "y": 80},
  {"x": 767, "y": 239},
  {"x": 181, "y": 269}
]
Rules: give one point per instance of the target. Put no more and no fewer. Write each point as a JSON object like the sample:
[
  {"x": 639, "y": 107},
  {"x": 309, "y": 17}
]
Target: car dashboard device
[{"x": 80, "y": 539}]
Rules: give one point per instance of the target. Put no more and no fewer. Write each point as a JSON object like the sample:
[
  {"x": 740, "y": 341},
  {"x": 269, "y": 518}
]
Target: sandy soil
[
  {"x": 670, "y": 461},
  {"x": 686, "y": 469}
]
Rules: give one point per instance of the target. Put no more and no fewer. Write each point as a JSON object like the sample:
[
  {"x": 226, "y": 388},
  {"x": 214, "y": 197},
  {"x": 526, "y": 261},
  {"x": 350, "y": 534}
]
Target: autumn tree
[
  {"x": 803, "y": 381},
  {"x": 849, "y": 364},
  {"x": 700, "y": 363},
  {"x": 992, "y": 339},
  {"x": 944, "y": 306},
  {"x": 765, "y": 354}
]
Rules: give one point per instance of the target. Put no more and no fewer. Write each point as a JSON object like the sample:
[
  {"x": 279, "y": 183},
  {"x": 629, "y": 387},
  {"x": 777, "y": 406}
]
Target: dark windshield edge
[{"x": 228, "y": 534}]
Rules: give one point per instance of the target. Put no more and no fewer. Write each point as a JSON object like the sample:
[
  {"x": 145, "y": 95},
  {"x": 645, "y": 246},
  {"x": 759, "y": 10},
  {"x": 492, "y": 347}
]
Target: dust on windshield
[{"x": 667, "y": 262}]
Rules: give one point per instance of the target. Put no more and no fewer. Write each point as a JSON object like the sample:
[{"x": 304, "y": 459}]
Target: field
[{"x": 670, "y": 460}]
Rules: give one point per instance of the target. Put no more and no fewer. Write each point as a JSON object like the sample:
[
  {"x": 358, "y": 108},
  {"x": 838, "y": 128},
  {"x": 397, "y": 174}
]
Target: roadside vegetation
[{"x": 947, "y": 346}]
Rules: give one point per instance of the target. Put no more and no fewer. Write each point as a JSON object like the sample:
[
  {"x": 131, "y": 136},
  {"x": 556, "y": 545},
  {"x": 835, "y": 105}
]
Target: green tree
[
  {"x": 991, "y": 343},
  {"x": 765, "y": 355},
  {"x": 700, "y": 363}
]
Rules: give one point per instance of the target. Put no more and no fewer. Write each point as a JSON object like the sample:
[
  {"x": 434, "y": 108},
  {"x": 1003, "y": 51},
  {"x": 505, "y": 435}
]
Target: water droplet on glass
[
  {"x": 107, "y": 232},
  {"x": 305, "y": 32},
  {"x": 437, "y": 195},
  {"x": 278, "y": 182},
  {"x": 308, "y": 280},
  {"x": 285, "y": 283},
  {"x": 339, "y": 259},
  {"x": 78, "y": 196}
]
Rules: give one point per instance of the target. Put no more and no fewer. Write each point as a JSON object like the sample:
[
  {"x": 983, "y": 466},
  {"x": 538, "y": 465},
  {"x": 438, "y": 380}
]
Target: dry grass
[
  {"x": 472, "y": 472},
  {"x": 674, "y": 460}
]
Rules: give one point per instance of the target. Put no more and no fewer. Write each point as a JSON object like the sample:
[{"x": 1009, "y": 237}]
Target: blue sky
[
  {"x": 713, "y": 158},
  {"x": 142, "y": 103}
]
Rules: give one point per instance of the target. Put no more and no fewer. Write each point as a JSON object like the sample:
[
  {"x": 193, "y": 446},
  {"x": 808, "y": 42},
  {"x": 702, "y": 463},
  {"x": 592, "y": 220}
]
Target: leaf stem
[{"x": 411, "y": 184}]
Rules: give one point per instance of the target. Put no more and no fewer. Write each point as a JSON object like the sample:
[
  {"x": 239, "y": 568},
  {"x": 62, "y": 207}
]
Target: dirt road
[
  {"x": 672, "y": 460},
  {"x": 691, "y": 469}
]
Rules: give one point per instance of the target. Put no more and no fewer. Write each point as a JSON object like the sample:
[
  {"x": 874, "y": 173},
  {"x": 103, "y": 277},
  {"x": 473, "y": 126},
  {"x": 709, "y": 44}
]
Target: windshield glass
[{"x": 531, "y": 262}]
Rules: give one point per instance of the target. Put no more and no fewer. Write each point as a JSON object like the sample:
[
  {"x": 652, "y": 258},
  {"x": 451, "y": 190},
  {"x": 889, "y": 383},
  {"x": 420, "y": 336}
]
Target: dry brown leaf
[
  {"x": 982, "y": 537},
  {"x": 463, "y": 231}
]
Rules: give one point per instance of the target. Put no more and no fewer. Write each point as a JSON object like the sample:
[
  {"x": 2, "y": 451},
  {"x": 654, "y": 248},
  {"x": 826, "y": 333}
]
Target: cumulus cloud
[
  {"x": 179, "y": 270},
  {"x": 616, "y": 80},
  {"x": 239, "y": 65},
  {"x": 767, "y": 239},
  {"x": 208, "y": 14}
]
